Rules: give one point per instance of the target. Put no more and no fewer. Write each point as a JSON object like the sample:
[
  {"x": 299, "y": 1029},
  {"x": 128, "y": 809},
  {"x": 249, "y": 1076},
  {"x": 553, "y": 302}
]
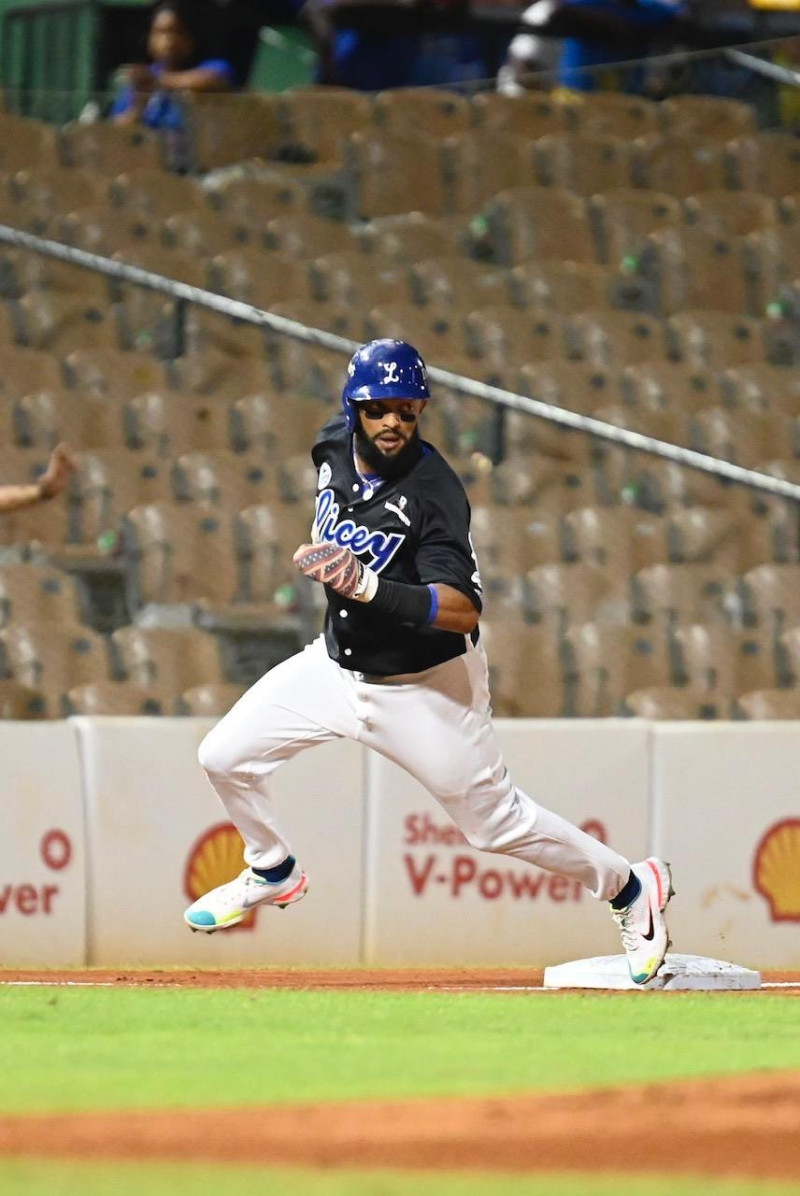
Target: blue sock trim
[
  {"x": 278, "y": 873},
  {"x": 431, "y": 619},
  {"x": 628, "y": 893}
]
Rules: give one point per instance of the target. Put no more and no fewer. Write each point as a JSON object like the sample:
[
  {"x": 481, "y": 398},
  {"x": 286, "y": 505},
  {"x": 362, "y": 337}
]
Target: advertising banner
[
  {"x": 727, "y": 816},
  {"x": 433, "y": 899},
  {"x": 42, "y": 859},
  {"x": 159, "y": 838}
]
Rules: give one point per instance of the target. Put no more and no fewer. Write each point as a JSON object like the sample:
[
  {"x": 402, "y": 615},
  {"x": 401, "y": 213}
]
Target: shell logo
[
  {"x": 213, "y": 860},
  {"x": 776, "y": 870}
]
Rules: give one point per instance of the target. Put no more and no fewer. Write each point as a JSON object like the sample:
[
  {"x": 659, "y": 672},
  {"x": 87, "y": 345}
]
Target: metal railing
[{"x": 235, "y": 309}]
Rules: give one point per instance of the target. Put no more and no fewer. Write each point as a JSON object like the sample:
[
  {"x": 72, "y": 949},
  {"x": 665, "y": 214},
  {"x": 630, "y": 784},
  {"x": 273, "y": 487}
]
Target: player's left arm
[{"x": 455, "y": 611}]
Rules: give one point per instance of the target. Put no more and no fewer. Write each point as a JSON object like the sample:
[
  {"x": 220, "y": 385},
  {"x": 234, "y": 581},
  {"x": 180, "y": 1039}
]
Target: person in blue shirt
[
  {"x": 179, "y": 63},
  {"x": 597, "y": 33}
]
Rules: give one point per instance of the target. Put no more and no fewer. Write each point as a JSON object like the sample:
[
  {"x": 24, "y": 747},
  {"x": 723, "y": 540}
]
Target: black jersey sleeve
[{"x": 444, "y": 550}]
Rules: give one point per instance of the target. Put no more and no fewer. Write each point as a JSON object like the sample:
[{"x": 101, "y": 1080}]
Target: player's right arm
[{"x": 52, "y": 482}]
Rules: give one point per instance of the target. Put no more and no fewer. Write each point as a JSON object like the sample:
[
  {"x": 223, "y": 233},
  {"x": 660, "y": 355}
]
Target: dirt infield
[
  {"x": 745, "y": 1126},
  {"x": 523, "y": 980}
]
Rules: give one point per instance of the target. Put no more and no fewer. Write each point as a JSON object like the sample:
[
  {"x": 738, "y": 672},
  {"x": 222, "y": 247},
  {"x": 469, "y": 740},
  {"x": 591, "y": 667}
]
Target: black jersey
[{"x": 413, "y": 529}]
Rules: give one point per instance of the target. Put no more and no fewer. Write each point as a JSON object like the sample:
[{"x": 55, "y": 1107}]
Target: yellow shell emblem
[
  {"x": 215, "y": 859},
  {"x": 776, "y": 870}
]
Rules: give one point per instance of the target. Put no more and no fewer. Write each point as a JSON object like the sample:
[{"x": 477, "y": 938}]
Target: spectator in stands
[
  {"x": 598, "y": 33},
  {"x": 53, "y": 482},
  {"x": 180, "y": 63}
]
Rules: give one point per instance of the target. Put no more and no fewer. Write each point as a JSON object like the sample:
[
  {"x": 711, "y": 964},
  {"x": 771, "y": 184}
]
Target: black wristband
[{"x": 407, "y": 604}]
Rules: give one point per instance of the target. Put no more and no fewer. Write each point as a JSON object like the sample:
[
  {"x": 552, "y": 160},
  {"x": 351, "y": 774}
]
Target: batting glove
[{"x": 337, "y": 567}]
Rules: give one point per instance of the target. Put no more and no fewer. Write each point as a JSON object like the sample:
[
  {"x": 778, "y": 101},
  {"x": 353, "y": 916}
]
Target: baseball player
[
  {"x": 400, "y": 668},
  {"x": 52, "y": 482}
]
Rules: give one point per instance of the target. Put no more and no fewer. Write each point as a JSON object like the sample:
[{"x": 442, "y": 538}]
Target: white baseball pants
[{"x": 436, "y": 725}]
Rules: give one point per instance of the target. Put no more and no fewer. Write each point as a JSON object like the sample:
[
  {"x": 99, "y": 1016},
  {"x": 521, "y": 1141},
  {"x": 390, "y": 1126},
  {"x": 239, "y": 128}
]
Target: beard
[{"x": 392, "y": 467}]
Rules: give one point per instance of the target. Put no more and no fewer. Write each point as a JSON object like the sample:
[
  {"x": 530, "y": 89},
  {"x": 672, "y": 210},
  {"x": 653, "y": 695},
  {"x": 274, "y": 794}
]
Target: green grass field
[{"x": 89, "y": 1049}]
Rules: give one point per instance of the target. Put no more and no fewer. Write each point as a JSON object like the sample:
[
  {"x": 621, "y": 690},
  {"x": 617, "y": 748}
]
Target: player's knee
[
  {"x": 482, "y": 839},
  {"x": 217, "y": 755}
]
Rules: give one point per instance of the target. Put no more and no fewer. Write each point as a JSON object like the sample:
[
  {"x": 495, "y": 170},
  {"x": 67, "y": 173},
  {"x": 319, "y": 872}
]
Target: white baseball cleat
[
  {"x": 642, "y": 924},
  {"x": 228, "y": 904}
]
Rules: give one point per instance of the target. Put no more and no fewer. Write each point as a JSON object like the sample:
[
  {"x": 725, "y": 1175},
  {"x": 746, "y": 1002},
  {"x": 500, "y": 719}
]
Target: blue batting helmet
[{"x": 383, "y": 369}]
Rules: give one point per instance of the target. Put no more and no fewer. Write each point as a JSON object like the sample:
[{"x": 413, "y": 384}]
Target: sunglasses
[{"x": 376, "y": 411}]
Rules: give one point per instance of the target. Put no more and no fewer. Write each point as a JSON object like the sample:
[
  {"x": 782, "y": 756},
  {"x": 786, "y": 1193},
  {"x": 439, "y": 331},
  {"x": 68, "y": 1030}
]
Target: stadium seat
[
  {"x": 571, "y": 384},
  {"x": 769, "y": 162},
  {"x": 728, "y": 661},
  {"x": 483, "y": 161},
  {"x": 433, "y": 111},
  {"x": 25, "y": 370},
  {"x": 60, "y": 322},
  {"x": 745, "y": 437},
  {"x": 532, "y": 115},
  {"x": 549, "y": 485},
  {"x": 415, "y": 236},
  {"x": 681, "y": 165},
  {"x": 166, "y": 661},
  {"x": 583, "y": 163},
  {"x": 258, "y": 277},
  {"x": 605, "y": 662},
  {"x": 607, "y": 339},
  {"x": 562, "y": 594},
  {"x": 504, "y": 335},
  {"x": 108, "y": 149},
  {"x": 524, "y": 670},
  {"x": 458, "y": 283},
  {"x": 357, "y": 279},
  {"x": 664, "y": 702},
  {"x": 437, "y": 335},
  {"x": 160, "y": 423},
  {"x": 111, "y": 698},
  {"x": 208, "y": 332},
  {"x": 665, "y": 385},
  {"x": 708, "y": 116},
  {"x": 26, "y": 144},
  {"x": 682, "y": 593},
  {"x": 771, "y": 597},
  {"x": 163, "y": 543},
  {"x": 319, "y": 118},
  {"x": 688, "y": 268},
  {"x": 267, "y": 535},
  {"x": 210, "y": 700},
  {"x": 111, "y": 373},
  {"x": 775, "y": 704},
  {"x": 730, "y": 213},
  {"x": 622, "y": 538},
  {"x": 228, "y": 129},
  {"x": 19, "y": 702},
  {"x": 616, "y": 113},
  {"x": 224, "y": 479},
  {"x": 46, "y": 191},
  {"x": 709, "y": 535},
  {"x": 540, "y": 224},
  {"x": 625, "y": 216},
  {"x": 563, "y": 287},
  {"x": 385, "y": 168},
  {"x": 762, "y": 387},
  {"x": 201, "y": 233},
  {"x": 248, "y": 203},
  {"x": 716, "y": 340},
  {"x": 38, "y": 593},
  {"x": 303, "y": 235},
  {"x": 53, "y": 658},
  {"x": 108, "y": 483},
  {"x": 266, "y": 425},
  {"x": 103, "y": 229}
]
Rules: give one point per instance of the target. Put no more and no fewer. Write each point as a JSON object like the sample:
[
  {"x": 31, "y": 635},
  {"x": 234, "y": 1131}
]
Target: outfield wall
[{"x": 109, "y": 829}]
